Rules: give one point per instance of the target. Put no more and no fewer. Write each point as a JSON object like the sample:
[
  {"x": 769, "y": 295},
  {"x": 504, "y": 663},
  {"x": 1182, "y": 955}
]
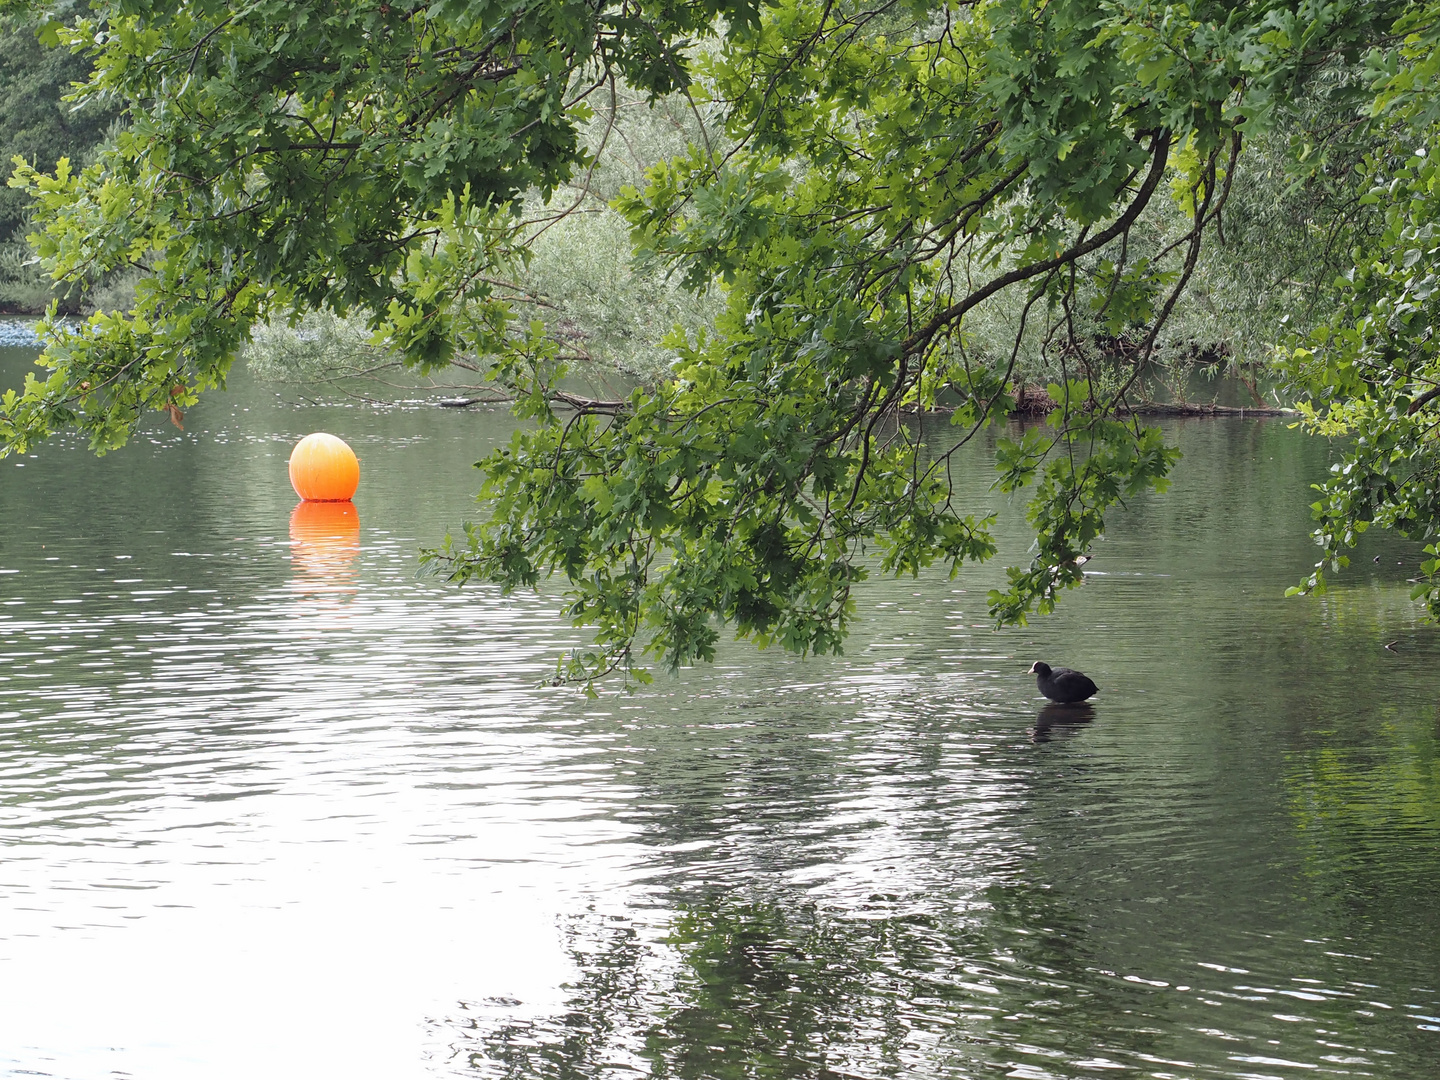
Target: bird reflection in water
[
  {"x": 1060, "y": 720},
  {"x": 325, "y": 549}
]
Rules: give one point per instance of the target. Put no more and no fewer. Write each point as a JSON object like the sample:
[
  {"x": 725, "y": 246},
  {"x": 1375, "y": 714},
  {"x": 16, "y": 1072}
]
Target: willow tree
[{"x": 872, "y": 177}]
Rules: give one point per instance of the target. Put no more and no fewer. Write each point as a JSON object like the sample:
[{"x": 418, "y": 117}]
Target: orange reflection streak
[{"x": 325, "y": 547}]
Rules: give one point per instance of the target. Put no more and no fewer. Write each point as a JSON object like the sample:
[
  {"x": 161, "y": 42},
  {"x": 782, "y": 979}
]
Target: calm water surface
[{"x": 272, "y": 806}]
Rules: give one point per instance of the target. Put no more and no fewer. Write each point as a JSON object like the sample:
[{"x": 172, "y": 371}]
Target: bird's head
[{"x": 1039, "y": 668}]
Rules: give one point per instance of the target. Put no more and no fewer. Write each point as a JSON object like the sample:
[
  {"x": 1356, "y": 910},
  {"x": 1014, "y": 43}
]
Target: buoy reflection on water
[{"x": 325, "y": 548}]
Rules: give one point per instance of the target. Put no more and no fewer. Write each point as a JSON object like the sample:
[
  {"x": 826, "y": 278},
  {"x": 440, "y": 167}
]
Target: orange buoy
[{"x": 324, "y": 469}]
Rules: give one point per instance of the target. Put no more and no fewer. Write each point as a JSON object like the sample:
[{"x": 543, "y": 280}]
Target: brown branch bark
[{"x": 1160, "y": 153}]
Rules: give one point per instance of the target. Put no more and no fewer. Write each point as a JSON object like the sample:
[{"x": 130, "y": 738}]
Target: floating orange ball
[{"x": 324, "y": 469}]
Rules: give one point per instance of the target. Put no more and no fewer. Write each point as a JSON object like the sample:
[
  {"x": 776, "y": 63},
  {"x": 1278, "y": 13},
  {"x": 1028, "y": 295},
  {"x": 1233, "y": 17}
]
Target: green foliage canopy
[
  {"x": 873, "y": 175},
  {"x": 288, "y": 155},
  {"x": 1373, "y": 370}
]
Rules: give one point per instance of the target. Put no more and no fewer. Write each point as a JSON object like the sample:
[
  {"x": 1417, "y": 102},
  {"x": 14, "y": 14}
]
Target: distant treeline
[{"x": 36, "y": 124}]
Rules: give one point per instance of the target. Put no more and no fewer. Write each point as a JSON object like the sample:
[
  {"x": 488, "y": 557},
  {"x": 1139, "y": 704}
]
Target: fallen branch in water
[
  {"x": 558, "y": 397},
  {"x": 1035, "y": 402},
  {"x": 585, "y": 404},
  {"x": 466, "y": 402},
  {"x": 1031, "y": 401},
  {"x": 1151, "y": 408},
  {"x": 1186, "y": 408}
]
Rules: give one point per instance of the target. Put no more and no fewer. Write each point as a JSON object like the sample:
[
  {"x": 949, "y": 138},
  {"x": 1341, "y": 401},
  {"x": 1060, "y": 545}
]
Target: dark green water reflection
[{"x": 270, "y": 805}]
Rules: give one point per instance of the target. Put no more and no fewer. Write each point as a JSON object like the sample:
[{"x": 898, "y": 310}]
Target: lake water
[{"x": 272, "y": 806}]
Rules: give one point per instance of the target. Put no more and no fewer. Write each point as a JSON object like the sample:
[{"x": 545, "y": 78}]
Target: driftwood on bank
[
  {"x": 1030, "y": 401},
  {"x": 1035, "y": 401},
  {"x": 1187, "y": 408},
  {"x": 1158, "y": 409}
]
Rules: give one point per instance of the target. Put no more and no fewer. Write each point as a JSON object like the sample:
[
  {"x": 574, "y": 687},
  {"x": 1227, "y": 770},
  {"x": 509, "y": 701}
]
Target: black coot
[{"x": 1062, "y": 684}]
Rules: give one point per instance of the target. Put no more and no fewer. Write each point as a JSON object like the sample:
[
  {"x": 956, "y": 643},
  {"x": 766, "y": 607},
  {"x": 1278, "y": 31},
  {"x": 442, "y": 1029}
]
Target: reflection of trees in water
[
  {"x": 765, "y": 993},
  {"x": 747, "y": 989},
  {"x": 601, "y": 1029},
  {"x": 759, "y": 988},
  {"x": 1020, "y": 979},
  {"x": 1365, "y": 800}
]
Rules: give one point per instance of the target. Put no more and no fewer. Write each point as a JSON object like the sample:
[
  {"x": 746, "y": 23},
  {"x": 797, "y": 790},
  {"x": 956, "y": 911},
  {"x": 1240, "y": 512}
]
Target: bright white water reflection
[{"x": 272, "y": 806}]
